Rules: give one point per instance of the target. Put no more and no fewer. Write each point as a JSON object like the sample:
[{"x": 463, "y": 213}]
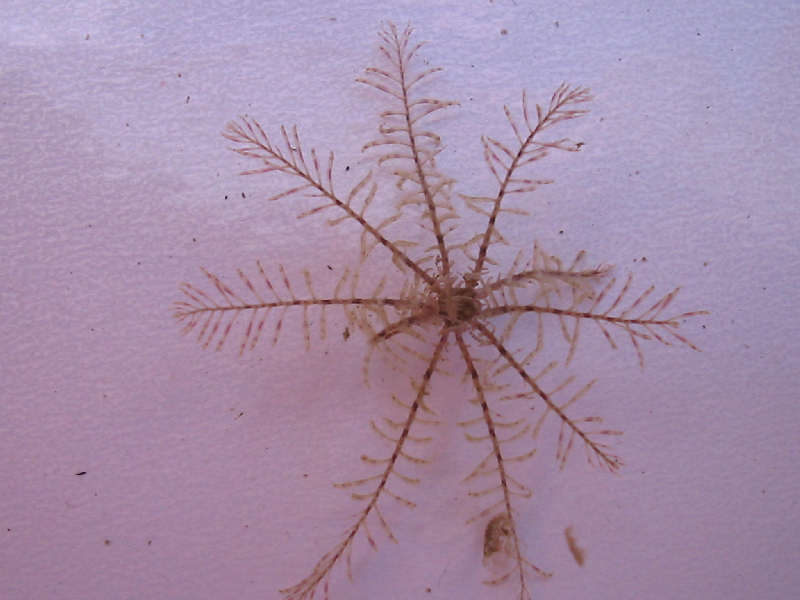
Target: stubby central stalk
[{"x": 458, "y": 304}]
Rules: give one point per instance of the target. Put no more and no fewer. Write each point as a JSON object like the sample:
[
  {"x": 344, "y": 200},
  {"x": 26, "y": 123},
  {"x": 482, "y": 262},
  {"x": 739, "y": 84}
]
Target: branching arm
[
  {"x": 306, "y": 588},
  {"x": 505, "y": 521},
  {"x": 638, "y": 320},
  {"x": 407, "y": 141},
  {"x": 596, "y": 448},
  {"x": 504, "y": 162},
  {"x": 315, "y": 181},
  {"x": 213, "y": 314}
]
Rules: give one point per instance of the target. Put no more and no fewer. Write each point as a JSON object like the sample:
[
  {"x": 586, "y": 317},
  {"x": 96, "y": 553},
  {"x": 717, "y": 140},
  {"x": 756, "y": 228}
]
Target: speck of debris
[
  {"x": 330, "y": 268},
  {"x": 504, "y": 32},
  {"x": 347, "y": 168},
  {"x": 560, "y": 232},
  {"x": 346, "y": 334},
  {"x": 557, "y": 24},
  {"x": 149, "y": 542},
  {"x": 87, "y": 37},
  {"x": 81, "y": 473},
  {"x": 187, "y": 99},
  {"x": 578, "y": 553},
  {"x": 194, "y": 239},
  {"x": 107, "y": 542}
]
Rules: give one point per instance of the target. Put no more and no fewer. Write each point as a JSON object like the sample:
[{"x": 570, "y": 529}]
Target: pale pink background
[{"x": 208, "y": 476}]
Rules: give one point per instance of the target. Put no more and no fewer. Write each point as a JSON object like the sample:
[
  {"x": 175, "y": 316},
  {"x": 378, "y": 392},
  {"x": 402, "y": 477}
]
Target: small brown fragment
[
  {"x": 496, "y": 535},
  {"x": 578, "y": 553}
]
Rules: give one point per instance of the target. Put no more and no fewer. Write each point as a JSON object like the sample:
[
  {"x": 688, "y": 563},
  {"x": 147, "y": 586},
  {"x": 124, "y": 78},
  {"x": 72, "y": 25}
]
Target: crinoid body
[{"x": 447, "y": 292}]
